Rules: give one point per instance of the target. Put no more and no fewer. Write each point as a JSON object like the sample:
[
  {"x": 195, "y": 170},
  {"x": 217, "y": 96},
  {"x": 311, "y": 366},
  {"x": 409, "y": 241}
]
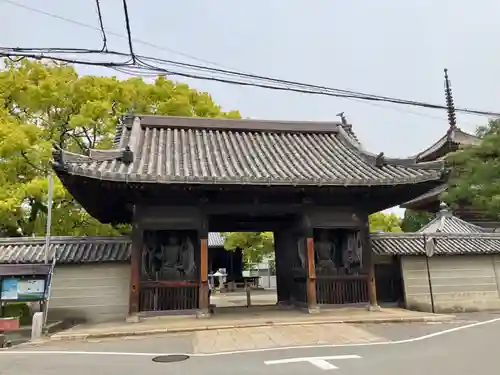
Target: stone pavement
[
  {"x": 215, "y": 341},
  {"x": 239, "y": 298},
  {"x": 243, "y": 319}
]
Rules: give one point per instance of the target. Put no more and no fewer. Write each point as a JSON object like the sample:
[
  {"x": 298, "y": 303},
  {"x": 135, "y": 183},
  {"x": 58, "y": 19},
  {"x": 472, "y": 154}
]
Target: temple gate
[{"x": 175, "y": 179}]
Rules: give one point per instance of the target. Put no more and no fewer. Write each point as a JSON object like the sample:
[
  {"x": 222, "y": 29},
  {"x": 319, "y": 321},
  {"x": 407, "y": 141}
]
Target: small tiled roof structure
[
  {"x": 74, "y": 250},
  {"x": 182, "y": 150},
  {"x": 446, "y": 222},
  {"x": 445, "y": 243},
  {"x": 450, "y": 236}
]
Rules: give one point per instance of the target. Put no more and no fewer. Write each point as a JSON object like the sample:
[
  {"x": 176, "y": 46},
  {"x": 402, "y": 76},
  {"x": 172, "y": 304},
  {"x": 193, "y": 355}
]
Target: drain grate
[{"x": 171, "y": 358}]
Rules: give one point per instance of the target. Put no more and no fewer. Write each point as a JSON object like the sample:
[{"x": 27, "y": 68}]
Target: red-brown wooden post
[
  {"x": 203, "y": 292},
  {"x": 311, "y": 275}
]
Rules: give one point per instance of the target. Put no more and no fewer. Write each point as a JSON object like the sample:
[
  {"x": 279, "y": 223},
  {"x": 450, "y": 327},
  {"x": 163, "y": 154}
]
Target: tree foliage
[
  {"x": 42, "y": 103},
  {"x": 381, "y": 221},
  {"x": 414, "y": 220},
  {"x": 475, "y": 172},
  {"x": 255, "y": 245}
]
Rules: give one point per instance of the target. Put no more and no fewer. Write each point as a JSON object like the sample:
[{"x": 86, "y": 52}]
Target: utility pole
[
  {"x": 49, "y": 217},
  {"x": 47, "y": 247}
]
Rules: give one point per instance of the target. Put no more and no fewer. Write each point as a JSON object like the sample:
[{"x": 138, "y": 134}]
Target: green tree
[
  {"x": 475, "y": 173},
  {"x": 385, "y": 222},
  {"x": 414, "y": 220},
  {"x": 255, "y": 245},
  {"x": 44, "y": 103}
]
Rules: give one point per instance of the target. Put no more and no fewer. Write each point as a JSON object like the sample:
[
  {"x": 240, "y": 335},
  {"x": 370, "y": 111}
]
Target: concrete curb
[{"x": 98, "y": 335}]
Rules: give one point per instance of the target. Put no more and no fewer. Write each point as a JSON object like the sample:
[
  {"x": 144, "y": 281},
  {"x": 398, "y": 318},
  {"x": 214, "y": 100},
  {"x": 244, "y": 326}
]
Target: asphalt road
[{"x": 410, "y": 349}]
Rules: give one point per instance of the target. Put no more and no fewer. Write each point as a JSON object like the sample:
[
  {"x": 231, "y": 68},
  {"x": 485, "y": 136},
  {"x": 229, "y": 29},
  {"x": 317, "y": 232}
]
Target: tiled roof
[
  {"x": 398, "y": 243},
  {"x": 446, "y": 222},
  {"x": 450, "y": 234},
  {"x": 215, "y": 239},
  {"x": 445, "y": 243},
  {"x": 68, "y": 249},
  {"x": 454, "y": 137},
  {"x": 430, "y": 196},
  {"x": 226, "y": 151},
  {"x": 73, "y": 250}
]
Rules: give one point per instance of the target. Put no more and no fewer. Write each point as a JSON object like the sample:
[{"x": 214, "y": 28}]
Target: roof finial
[
  {"x": 380, "y": 160},
  {"x": 342, "y": 118},
  {"x": 452, "y": 119},
  {"x": 444, "y": 210},
  {"x": 131, "y": 110}
]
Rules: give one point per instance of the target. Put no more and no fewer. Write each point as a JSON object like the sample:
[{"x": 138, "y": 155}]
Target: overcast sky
[{"x": 388, "y": 47}]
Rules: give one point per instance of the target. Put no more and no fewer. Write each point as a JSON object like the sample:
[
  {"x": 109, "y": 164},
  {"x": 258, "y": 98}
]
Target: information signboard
[
  {"x": 9, "y": 289},
  {"x": 23, "y": 289}
]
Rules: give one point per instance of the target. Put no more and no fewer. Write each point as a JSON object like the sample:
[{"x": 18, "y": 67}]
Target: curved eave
[
  {"x": 432, "y": 197},
  {"x": 374, "y": 159},
  {"x": 432, "y": 175},
  {"x": 447, "y": 143},
  {"x": 101, "y": 202}
]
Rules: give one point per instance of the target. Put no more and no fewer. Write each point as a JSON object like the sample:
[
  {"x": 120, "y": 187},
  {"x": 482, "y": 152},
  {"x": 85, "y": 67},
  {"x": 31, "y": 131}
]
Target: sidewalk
[{"x": 245, "y": 319}]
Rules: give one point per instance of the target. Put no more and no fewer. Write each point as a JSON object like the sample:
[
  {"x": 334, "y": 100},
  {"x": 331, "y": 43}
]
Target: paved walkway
[
  {"x": 239, "y": 298},
  {"x": 241, "y": 319},
  {"x": 279, "y": 336}
]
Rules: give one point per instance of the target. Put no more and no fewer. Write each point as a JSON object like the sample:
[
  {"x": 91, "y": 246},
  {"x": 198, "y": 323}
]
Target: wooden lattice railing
[
  {"x": 168, "y": 295},
  {"x": 336, "y": 290}
]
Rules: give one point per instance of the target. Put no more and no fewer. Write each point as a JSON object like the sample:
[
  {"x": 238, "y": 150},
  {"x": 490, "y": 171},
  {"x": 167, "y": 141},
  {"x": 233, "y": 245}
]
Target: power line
[
  {"x": 129, "y": 33},
  {"x": 101, "y": 25},
  {"x": 146, "y": 66},
  {"x": 109, "y": 32},
  {"x": 300, "y": 86},
  {"x": 21, "y": 55},
  {"x": 136, "y": 40},
  {"x": 141, "y": 67}
]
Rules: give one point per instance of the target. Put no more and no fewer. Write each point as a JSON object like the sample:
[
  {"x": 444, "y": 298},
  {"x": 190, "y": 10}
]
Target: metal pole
[
  {"x": 269, "y": 273},
  {"x": 47, "y": 246},
  {"x": 49, "y": 290},
  {"x": 49, "y": 217},
  {"x": 430, "y": 284}
]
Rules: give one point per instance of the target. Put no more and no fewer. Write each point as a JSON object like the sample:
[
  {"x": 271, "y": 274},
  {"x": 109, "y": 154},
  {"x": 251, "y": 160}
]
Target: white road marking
[
  {"x": 405, "y": 341},
  {"x": 320, "y": 362}
]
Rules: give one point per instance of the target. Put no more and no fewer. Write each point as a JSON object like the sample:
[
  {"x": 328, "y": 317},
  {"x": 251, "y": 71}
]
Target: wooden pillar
[
  {"x": 135, "y": 267},
  {"x": 204, "y": 288},
  {"x": 311, "y": 274},
  {"x": 369, "y": 266},
  {"x": 372, "y": 287},
  {"x": 282, "y": 271}
]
